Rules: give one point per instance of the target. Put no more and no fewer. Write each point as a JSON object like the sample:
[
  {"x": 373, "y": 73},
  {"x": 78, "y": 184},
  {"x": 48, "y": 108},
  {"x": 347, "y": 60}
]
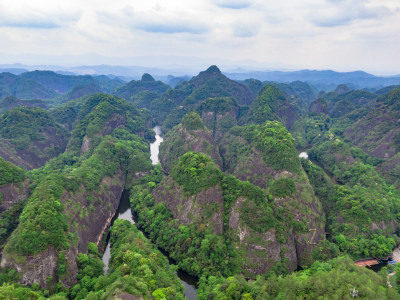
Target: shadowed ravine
[{"x": 124, "y": 212}]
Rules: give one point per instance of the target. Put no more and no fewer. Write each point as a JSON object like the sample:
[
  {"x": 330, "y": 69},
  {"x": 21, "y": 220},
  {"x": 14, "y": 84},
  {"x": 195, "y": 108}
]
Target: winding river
[{"x": 124, "y": 212}]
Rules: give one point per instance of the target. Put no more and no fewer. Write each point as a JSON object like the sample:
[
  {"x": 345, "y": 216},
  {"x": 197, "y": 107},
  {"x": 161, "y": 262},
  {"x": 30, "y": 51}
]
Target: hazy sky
[{"x": 319, "y": 34}]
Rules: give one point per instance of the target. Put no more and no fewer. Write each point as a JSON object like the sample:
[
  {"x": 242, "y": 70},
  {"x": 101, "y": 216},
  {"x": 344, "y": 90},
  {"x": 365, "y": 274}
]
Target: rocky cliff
[
  {"x": 272, "y": 212},
  {"x": 29, "y": 137},
  {"x": 190, "y": 135}
]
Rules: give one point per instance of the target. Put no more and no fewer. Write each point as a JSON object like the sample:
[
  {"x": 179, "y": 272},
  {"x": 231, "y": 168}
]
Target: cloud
[
  {"x": 169, "y": 27},
  {"x": 233, "y": 4},
  {"x": 344, "y": 12},
  {"x": 245, "y": 30},
  {"x": 156, "y": 20},
  {"x": 28, "y": 16},
  {"x": 29, "y": 24}
]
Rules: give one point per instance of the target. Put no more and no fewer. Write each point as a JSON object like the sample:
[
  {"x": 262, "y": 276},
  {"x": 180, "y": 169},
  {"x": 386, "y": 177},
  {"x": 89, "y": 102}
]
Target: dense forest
[{"x": 230, "y": 202}]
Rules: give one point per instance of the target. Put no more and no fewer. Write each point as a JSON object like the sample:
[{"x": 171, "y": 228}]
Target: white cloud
[
  {"x": 158, "y": 19},
  {"x": 344, "y": 12},
  {"x": 341, "y": 34},
  {"x": 38, "y": 14},
  {"x": 233, "y": 4}
]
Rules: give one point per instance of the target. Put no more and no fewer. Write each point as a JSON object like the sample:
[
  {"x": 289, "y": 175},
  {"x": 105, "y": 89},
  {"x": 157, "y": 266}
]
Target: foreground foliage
[{"x": 334, "y": 279}]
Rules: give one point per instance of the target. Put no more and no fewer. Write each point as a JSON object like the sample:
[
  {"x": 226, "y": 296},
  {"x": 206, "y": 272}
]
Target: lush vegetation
[
  {"x": 24, "y": 124},
  {"x": 136, "y": 268},
  {"x": 192, "y": 121},
  {"x": 195, "y": 172},
  {"x": 99, "y": 115},
  {"x": 275, "y": 143},
  {"x": 11, "y": 102},
  {"x": 196, "y": 249},
  {"x": 42, "y": 222},
  {"x": 10, "y": 173},
  {"x": 219, "y": 114},
  {"x": 23, "y": 88},
  {"x": 377, "y": 132},
  {"x": 147, "y": 84},
  {"x": 271, "y": 104},
  {"x": 9, "y": 220},
  {"x": 360, "y": 199},
  {"x": 334, "y": 279},
  {"x": 190, "y": 134},
  {"x": 213, "y": 225}
]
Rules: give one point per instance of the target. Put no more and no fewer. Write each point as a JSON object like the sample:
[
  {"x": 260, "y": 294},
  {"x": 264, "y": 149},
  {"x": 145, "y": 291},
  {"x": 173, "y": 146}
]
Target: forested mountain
[
  {"x": 342, "y": 101},
  {"x": 30, "y": 137},
  {"x": 378, "y": 134},
  {"x": 23, "y": 88},
  {"x": 53, "y": 87},
  {"x": 11, "y": 102},
  {"x": 231, "y": 202},
  {"x": 58, "y": 82},
  {"x": 211, "y": 83},
  {"x": 272, "y": 104},
  {"x": 142, "y": 92},
  {"x": 63, "y": 203},
  {"x": 325, "y": 80}
]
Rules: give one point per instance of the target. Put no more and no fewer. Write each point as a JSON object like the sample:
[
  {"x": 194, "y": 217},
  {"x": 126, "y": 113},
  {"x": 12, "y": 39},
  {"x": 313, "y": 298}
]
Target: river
[{"x": 124, "y": 212}]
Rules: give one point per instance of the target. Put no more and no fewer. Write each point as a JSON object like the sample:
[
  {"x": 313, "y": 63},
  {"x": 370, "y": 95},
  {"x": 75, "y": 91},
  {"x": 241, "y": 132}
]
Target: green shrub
[{"x": 283, "y": 187}]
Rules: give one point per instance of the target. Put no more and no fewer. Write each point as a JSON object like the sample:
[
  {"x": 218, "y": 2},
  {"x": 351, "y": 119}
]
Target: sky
[{"x": 342, "y": 35}]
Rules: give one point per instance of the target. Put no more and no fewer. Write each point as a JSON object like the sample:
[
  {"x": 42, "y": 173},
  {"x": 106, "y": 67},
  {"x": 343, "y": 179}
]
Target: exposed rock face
[
  {"x": 378, "y": 134},
  {"x": 272, "y": 104},
  {"x": 219, "y": 115},
  {"x": 113, "y": 122},
  {"x": 35, "y": 269},
  {"x": 243, "y": 160},
  {"x": 85, "y": 145},
  {"x": 126, "y": 296},
  {"x": 266, "y": 252},
  {"x": 11, "y": 194},
  {"x": 218, "y": 85},
  {"x": 299, "y": 212},
  {"x": 192, "y": 209},
  {"x": 89, "y": 215},
  {"x": 319, "y": 106},
  {"x": 11, "y": 102},
  {"x": 342, "y": 89},
  {"x": 180, "y": 140},
  {"x": 38, "y": 152}
]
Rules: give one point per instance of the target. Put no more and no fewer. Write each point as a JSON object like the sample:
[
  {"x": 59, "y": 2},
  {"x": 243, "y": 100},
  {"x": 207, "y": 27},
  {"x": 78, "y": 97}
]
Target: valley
[{"x": 211, "y": 189}]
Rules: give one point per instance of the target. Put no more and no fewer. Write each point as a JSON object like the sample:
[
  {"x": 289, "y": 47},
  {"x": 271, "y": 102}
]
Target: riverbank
[{"x": 124, "y": 212}]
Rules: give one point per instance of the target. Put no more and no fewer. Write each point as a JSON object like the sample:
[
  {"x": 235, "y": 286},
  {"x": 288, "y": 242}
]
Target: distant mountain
[
  {"x": 146, "y": 84},
  {"x": 211, "y": 83},
  {"x": 342, "y": 101},
  {"x": 80, "y": 91},
  {"x": 298, "y": 89},
  {"x": 15, "y": 71},
  {"x": 387, "y": 89},
  {"x": 323, "y": 80},
  {"x": 23, "y": 88},
  {"x": 49, "y": 85},
  {"x": 173, "y": 81},
  {"x": 11, "y": 102},
  {"x": 58, "y": 82}
]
